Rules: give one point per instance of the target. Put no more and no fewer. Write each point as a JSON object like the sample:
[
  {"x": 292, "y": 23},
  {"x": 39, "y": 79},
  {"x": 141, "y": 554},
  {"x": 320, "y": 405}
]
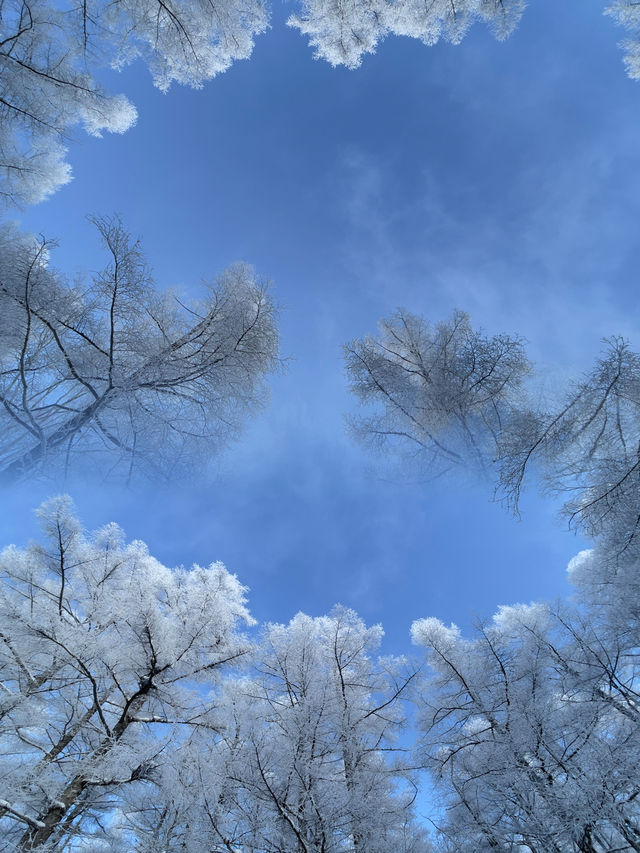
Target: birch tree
[{"x": 115, "y": 371}]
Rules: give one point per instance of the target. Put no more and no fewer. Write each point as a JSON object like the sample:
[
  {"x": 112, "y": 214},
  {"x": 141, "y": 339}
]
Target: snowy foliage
[
  {"x": 434, "y": 633},
  {"x": 116, "y": 371},
  {"x": 126, "y": 723},
  {"x": 531, "y": 731},
  {"x": 133, "y": 716},
  {"x": 441, "y": 394},
  {"x": 49, "y": 52},
  {"x": 586, "y": 443},
  {"x": 342, "y": 31},
  {"x": 107, "y": 662},
  {"x": 530, "y": 728},
  {"x": 308, "y": 738},
  {"x": 626, "y": 13},
  {"x": 450, "y": 396}
]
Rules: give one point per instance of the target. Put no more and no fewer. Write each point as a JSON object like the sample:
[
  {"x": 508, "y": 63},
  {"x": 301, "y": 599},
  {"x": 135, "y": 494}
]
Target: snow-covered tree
[
  {"x": 50, "y": 51},
  {"x": 308, "y": 741},
  {"x": 626, "y": 13},
  {"x": 116, "y": 370},
  {"x": 108, "y": 665},
  {"x": 527, "y": 754},
  {"x": 451, "y": 396},
  {"x": 342, "y": 31},
  {"x": 587, "y": 442},
  {"x": 531, "y": 730},
  {"x": 441, "y": 394}
]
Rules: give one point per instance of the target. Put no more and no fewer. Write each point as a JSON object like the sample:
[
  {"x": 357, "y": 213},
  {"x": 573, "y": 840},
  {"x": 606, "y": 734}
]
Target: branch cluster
[
  {"x": 134, "y": 716},
  {"x": 118, "y": 372}
]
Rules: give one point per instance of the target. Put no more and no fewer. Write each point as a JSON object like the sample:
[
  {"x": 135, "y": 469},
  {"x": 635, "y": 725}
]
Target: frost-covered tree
[
  {"x": 50, "y": 51},
  {"x": 108, "y": 665},
  {"x": 626, "y": 13},
  {"x": 586, "y": 442},
  {"x": 115, "y": 370},
  {"x": 451, "y": 396},
  {"x": 441, "y": 394},
  {"x": 308, "y": 741},
  {"x": 342, "y": 31},
  {"x": 531, "y": 730}
]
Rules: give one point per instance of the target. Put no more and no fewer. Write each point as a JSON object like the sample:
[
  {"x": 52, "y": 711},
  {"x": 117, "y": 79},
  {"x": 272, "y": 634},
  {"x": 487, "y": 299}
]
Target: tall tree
[
  {"x": 118, "y": 371},
  {"x": 531, "y": 731},
  {"x": 108, "y": 661},
  {"x": 50, "y": 51},
  {"x": 441, "y": 394},
  {"x": 309, "y": 739},
  {"x": 451, "y": 396}
]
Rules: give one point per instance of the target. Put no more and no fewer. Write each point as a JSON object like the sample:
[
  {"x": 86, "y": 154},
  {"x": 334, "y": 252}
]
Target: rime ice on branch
[{"x": 118, "y": 372}]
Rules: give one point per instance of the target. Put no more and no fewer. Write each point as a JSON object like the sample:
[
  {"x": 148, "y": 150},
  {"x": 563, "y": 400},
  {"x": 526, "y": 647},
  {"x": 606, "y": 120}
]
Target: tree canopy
[
  {"x": 450, "y": 396},
  {"x": 142, "y": 710},
  {"x": 115, "y": 370},
  {"x": 528, "y": 727},
  {"x": 106, "y": 656},
  {"x": 134, "y": 713},
  {"x": 135, "y": 716},
  {"x": 51, "y": 54},
  {"x": 441, "y": 393}
]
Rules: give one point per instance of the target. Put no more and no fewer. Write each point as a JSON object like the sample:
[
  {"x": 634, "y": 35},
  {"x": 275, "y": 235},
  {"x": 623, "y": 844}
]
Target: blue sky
[{"x": 501, "y": 178}]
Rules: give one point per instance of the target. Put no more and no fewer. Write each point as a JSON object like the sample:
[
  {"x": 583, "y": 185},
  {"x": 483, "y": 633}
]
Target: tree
[
  {"x": 342, "y": 32},
  {"x": 108, "y": 664},
  {"x": 531, "y": 731},
  {"x": 451, "y": 396},
  {"x": 307, "y": 742},
  {"x": 442, "y": 393},
  {"x": 118, "y": 371},
  {"x": 626, "y": 13},
  {"x": 587, "y": 443},
  {"x": 49, "y": 52}
]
